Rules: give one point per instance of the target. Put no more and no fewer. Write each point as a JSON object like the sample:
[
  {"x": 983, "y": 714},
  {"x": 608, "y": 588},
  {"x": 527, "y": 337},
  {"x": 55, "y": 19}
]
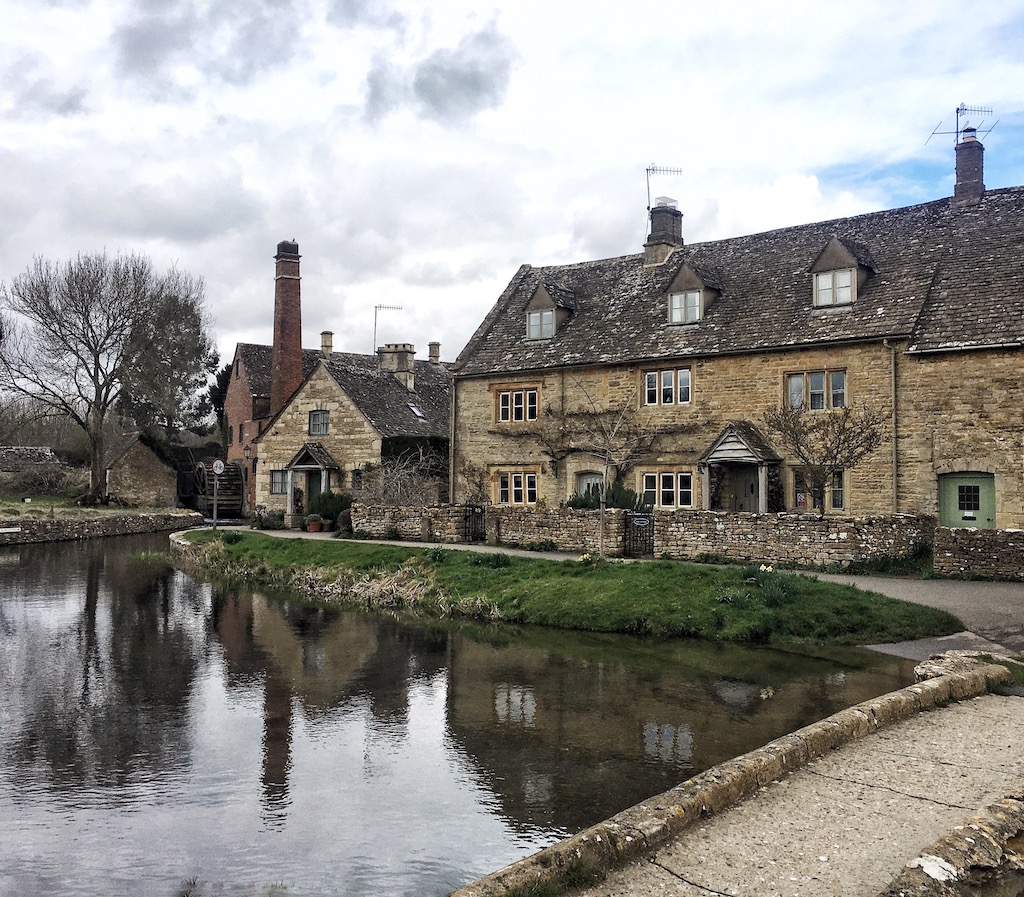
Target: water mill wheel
[{"x": 230, "y": 489}]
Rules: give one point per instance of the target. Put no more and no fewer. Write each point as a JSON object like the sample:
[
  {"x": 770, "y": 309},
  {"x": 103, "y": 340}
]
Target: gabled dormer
[
  {"x": 839, "y": 271},
  {"x": 550, "y": 306},
  {"x": 691, "y": 291}
]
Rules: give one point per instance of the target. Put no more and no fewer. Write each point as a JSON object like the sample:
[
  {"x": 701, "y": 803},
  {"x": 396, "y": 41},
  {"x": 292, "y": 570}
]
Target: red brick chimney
[{"x": 286, "y": 364}]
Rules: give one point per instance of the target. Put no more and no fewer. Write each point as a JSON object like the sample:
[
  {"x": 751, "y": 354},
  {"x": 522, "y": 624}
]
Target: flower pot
[{"x": 313, "y": 526}]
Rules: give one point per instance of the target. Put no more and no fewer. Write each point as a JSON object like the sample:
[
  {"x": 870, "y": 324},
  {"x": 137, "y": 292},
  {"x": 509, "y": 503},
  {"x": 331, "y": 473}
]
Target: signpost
[{"x": 218, "y": 469}]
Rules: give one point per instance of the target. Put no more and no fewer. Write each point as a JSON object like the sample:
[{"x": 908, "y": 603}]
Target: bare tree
[
  {"x": 410, "y": 478},
  {"x": 826, "y": 442},
  {"x": 75, "y": 335},
  {"x": 617, "y": 438}
]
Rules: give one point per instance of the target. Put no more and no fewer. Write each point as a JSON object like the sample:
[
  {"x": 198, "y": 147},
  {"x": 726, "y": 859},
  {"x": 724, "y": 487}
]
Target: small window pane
[
  {"x": 684, "y": 385},
  {"x": 517, "y": 488},
  {"x": 503, "y": 489},
  {"x": 837, "y": 387},
  {"x": 969, "y": 498},
  {"x": 844, "y": 287},
  {"x": 652, "y": 387},
  {"x": 668, "y": 387},
  {"x": 505, "y": 406},
  {"x": 686, "y": 490},
  {"x": 838, "y": 496},
  {"x": 823, "y": 289},
  {"x": 531, "y": 404},
  {"x": 517, "y": 406},
  {"x": 650, "y": 489},
  {"x": 668, "y": 490},
  {"x": 531, "y": 488},
  {"x": 795, "y": 390},
  {"x": 816, "y": 389}
]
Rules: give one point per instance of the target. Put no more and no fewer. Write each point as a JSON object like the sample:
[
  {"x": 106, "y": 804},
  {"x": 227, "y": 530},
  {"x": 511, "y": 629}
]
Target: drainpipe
[
  {"x": 892, "y": 398},
  {"x": 451, "y": 439}
]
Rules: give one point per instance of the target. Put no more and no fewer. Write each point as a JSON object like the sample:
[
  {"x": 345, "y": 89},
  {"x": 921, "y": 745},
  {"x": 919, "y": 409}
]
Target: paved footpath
[{"x": 847, "y": 824}]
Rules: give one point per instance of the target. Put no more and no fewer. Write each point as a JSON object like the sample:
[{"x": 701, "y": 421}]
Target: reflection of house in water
[
  {"x": 321, "y": 662},
  {"x": 590, "y": 726}
]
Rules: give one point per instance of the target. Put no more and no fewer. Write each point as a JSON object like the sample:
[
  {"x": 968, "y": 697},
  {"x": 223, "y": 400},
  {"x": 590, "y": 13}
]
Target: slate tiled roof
[
  {"x": 385, "y": 402},
  {"x": 258, "y": 360},
  {"x": 942, "y": 276},
  {"x": 16, "y": 458}
]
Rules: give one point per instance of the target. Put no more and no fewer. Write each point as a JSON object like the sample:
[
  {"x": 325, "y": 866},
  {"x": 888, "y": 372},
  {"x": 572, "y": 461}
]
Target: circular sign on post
[{"x": 218, "y": 467}]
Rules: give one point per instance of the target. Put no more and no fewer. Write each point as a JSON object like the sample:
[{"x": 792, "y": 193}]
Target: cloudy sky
[{"x": 419, "y": 153}]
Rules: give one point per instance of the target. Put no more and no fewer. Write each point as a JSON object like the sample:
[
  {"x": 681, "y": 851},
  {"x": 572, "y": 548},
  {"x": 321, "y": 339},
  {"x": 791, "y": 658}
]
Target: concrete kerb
[{"x": 643, "y": 828}]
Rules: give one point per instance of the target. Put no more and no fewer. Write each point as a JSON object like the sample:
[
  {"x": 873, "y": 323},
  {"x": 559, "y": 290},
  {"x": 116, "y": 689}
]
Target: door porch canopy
[
  {"x": 311, "y": 457},
  {"x": 740, "y": 443}
]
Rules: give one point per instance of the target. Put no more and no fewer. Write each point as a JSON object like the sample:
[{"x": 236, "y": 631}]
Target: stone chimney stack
[
  {"x": 666, "y": 231},
  {"x": 398, "y": 359},
  {"x": 970, "y": 169},
  {"x": 286, "y": 360},
  {"x": 326, "y": 343},
  {"x": 435, "y": 353}
]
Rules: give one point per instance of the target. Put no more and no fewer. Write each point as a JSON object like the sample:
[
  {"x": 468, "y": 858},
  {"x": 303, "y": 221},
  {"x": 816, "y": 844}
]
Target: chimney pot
[
  {"x": 435, "y": 353},
  {"x": 326, "y": 343}
]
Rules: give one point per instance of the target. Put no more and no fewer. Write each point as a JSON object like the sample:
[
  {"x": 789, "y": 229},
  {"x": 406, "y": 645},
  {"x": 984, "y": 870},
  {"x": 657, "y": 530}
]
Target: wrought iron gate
[
  {"x": 474, "y": 525},
  {"x": 638, "y": 538}
]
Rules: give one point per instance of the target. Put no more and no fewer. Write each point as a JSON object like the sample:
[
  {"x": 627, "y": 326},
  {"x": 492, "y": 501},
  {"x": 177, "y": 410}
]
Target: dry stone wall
[
  {"x": 991, "y": 553},
  {"x": 678, "y": 535},
  {"x": 803, "y": 539},
  {"x": 15, "y": 530}
]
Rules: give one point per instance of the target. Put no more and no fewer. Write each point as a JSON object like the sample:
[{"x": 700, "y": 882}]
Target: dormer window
[
  {"x": 685, "y": 307},
  {"x": 834, "y": 288},
  {"x": 540, "y": 324}
]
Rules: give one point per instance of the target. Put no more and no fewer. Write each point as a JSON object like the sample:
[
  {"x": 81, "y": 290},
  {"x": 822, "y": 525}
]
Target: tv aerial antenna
[
  {"x": 376, "y": 309},
  {"x": 962, "y": 111},
  {"x": 658, "y": 169}
]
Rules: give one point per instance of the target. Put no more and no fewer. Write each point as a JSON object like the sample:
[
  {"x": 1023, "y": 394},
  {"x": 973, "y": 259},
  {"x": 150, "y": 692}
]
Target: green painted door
[{"x": 967, "y": 499}]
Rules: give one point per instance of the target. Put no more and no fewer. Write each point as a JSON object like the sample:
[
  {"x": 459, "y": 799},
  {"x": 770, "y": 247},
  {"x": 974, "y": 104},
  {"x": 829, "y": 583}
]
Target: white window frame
[
  {"x": 821, "y": 390},
  {"x": 667, "y": 488},
  {"x": 670, "y": 386},
  {"x": 517, "y": 406},
  {"x": 517, "y": 487},
  {"x": 685, "y": 307},
  {"x": 540, "y": 324},
  {"x": 837, "y": 490},
  {"x": 835, "y": 288},
  {"x": 319, "y": 422}
]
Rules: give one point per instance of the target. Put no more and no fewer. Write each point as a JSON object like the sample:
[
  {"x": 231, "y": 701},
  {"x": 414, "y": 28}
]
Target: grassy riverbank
[{"x": 660, "y": 598}]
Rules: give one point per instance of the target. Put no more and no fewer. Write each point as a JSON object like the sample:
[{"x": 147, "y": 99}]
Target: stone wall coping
[
  {"x": 24, "y": 530},
  {"x": 643, "y": 828}
]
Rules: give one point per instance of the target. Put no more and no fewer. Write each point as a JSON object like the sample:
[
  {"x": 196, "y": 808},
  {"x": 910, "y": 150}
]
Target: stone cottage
[
  {"x": 916, "y": 312},
  {"x": 351, "y": 413}
]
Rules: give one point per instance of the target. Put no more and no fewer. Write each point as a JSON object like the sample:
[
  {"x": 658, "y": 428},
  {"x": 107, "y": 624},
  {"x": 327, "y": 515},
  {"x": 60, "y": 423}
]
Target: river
[{"x": 164, "y": 736}]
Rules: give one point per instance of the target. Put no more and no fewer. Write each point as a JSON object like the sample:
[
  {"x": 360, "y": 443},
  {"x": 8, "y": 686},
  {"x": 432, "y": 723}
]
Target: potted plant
[{"x": 314, "y": 523}]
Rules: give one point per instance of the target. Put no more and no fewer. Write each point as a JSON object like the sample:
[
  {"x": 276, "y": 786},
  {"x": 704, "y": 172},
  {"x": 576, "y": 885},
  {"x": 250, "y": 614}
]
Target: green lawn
[{"x": 661, "y": 598}]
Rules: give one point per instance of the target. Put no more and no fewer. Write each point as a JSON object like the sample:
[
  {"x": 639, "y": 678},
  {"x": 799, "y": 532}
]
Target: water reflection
[{"x": 155, "y": 728}]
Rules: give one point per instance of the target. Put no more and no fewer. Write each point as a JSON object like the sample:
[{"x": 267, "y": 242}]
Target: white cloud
[{"x": 420, "y": 155}]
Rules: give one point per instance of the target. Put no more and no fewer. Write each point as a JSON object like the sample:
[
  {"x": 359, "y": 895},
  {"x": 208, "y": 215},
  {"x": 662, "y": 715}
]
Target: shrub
[
  {"x": 437, "y": 554},
  {"x": 264, "y": 519},
  {"x": 329, "y": 505},
  {"x": 492, "y": 560},
  {"x": 392, "y": 533},
  {"x": 542, "y": 545},
  {"x": 618, "y": 496},
  {"x": 231, "y": 537}
]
